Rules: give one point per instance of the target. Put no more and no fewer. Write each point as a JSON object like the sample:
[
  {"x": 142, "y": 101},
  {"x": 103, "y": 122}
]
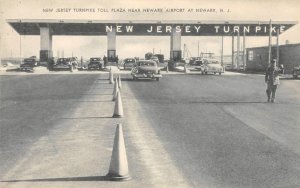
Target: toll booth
[{"x": 111, "y": 55}]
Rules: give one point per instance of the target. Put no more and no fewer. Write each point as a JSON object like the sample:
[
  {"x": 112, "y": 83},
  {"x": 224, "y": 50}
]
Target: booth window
[{"x": 250, "y": 55}]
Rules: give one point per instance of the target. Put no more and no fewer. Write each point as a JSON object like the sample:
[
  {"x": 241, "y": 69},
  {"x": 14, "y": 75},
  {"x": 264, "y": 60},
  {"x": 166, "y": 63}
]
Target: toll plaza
[
  {"x": 92, "y": 128},
  {"x": 47, "y": 28}
]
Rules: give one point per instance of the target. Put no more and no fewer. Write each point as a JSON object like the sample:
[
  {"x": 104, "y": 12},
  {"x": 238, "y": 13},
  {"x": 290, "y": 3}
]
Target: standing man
[
  {"x": 272, "y": 80},
  {"x": 105, "y": 60},
  {"x": 51, "y": 63}
]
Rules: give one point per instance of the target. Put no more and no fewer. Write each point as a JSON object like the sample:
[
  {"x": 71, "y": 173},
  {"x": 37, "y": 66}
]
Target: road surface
[{"x": 183, "y": 131}]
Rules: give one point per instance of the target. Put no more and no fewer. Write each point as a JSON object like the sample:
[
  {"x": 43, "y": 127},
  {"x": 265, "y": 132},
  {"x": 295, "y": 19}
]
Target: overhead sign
[
  {"x": 194, "y": 29},
  {"x": 158, "y": 28}
]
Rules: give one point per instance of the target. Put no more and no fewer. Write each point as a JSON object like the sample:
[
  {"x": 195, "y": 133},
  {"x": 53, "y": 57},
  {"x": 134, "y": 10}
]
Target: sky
[{"x": 12, "y": 44}]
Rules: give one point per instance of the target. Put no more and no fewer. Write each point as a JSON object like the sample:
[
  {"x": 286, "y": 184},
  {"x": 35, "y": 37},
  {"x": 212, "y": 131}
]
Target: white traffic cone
[
  {"x": 118, "y": 111},
  {"x": 119, "y": 82},
  {"x": 116, "y": 90},
  {"x": 109, "y": 74},
  {"x": 118, "y": 168},
  {"x": 111, "y": 77}
]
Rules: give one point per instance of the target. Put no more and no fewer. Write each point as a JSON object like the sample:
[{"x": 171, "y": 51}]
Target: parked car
[
  {"x": 211, "y": 66},
  {"x": 129, "y": 63},
  {"x": 296, "y": 72},
  {"x": 196, "y": 64},
  {"x": 63, "y": 64},
  {"x": 95, "y": 63},
  {"x": 154, "y": 58},
  {"x": 28, "y": 64},
  {"x": 146, "y": 69}
]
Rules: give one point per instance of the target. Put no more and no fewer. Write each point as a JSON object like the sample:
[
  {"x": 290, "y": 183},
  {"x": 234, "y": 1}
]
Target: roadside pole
[
  {"x": 277, "y": 47},
  {"x": 244, "y": 51},
  {"x": 270, "y": 43},
  {"x": 232, "y": 51},
  {"x": 238, "y": 52},
  {"x": 222, "y": 51}
]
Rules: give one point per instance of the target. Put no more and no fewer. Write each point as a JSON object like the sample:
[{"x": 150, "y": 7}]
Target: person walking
[{"x": 272, "y": 80}]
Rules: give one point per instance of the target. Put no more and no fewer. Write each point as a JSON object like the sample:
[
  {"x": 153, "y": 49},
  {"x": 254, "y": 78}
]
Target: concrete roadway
[{"x": 183, "y": 131}]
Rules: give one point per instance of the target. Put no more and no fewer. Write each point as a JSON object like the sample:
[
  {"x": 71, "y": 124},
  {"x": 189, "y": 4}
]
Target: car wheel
[
  {"x": 205, "y": 72},
  {"x": 295, "y": 76},
  {"x": 157, "y": 79},
  {"x": 220, "y": 73}
]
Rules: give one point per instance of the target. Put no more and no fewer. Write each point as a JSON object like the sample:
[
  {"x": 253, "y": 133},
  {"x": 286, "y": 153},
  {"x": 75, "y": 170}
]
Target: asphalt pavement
[{"x": 182, "y": 131}]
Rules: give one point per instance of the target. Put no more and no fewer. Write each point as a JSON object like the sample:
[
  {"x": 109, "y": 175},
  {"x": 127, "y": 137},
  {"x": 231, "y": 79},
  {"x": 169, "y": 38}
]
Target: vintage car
[
  {"x": 63, "y": 64},
  {"x": 296, "y": 72},
  {"x": 95, "y": 63},
  {"x": 146, "y": 69},
  {"x": 154, "y": 58},
  {"x": 196, "y": 64},
  {"x": 28, "y": 64},
  {"x": 129, "y": 63},
  {"x": 211, "y": 66}
]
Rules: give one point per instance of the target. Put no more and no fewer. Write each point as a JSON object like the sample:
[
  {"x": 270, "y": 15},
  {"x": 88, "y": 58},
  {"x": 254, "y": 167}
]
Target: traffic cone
[
  {"x": 118, "y": 112},
  {"x": 111, "y": 77},
  {"x": 109, "y": 74},
  {"x": 118, "y": 168},
  {"x": 116, "y": 90},
  {"x": 120, "y": 84}
]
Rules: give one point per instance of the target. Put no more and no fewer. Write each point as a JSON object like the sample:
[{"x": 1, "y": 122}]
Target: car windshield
[
  {"x": 62, "y": 60},
  {"x": 29, "y": 60},
  {"x": 147, "y": 64},
  {"x": 95, "y": 59},
  {"x": 129, "y": 60},
  {"x": 212, "y": 62},
  {"x": 198, "y": 62}
]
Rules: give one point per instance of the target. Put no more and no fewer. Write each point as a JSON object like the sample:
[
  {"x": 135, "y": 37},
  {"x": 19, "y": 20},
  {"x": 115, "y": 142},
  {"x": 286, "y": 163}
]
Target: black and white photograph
[{"x": 138, "y": 93}]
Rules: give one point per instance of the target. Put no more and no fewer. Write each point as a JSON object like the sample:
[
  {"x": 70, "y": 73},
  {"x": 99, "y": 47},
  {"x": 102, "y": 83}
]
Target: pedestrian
[
  {"x": 105, "y": 60},
  {"x": 51, "y": 63},
  {"x": 272, "y": 80},
  {"x": 117, "y": 60}
]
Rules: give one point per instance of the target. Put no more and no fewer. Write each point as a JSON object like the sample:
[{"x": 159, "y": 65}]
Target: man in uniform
[{"x": 272, "y": 80}]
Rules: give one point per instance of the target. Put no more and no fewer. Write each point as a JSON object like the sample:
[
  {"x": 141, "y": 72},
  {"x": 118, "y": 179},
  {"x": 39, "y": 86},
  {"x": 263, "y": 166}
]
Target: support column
[
  {"x": 111, "y": 45},
  {"x": 46, "y": 44},
  {"x": 175, "y": 52}
]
